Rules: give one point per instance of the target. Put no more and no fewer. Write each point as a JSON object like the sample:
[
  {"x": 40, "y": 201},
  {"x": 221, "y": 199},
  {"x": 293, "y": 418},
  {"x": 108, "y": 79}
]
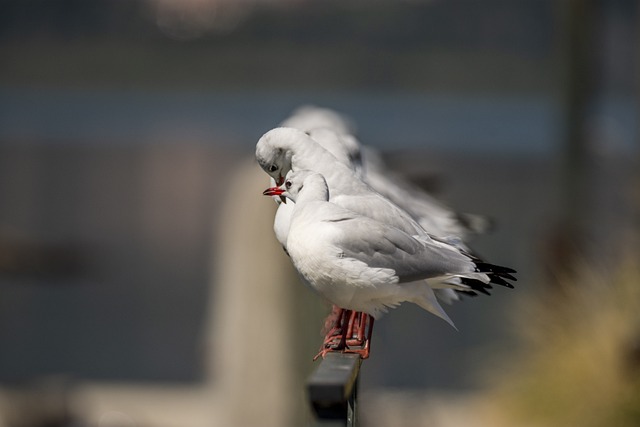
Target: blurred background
[{"x": 140, "y": 281}]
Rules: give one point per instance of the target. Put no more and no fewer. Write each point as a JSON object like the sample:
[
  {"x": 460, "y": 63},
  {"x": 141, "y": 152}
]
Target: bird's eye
[
  {"x": 287, "y": 184},
  {"x": 273, "y": 168}
]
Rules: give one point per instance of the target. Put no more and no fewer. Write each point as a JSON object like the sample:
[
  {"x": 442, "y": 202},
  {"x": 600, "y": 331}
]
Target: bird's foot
[
  {"x": 363, "y": 351},
  {"x": 350, "y": 335}
]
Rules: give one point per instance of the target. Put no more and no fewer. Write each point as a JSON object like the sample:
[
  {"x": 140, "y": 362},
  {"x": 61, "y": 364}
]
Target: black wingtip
[
  {"x": 475, "y": 286},
  {"x": 498, "y": 275},
  {"x": 498, "y": 280}
]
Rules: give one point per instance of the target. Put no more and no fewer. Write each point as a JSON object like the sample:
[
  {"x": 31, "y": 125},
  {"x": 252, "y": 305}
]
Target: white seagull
[
  {"x": 364, "y": 265},
  {"x": 283, "y": 149},
  {"x": 347, "y": 150}
]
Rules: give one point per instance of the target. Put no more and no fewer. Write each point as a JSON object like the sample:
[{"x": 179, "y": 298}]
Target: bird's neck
[{"x": 313, "y": 156}]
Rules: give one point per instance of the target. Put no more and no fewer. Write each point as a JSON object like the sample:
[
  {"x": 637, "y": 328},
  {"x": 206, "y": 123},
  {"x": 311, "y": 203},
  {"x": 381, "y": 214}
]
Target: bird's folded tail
[{"x": 426, "y": 299}]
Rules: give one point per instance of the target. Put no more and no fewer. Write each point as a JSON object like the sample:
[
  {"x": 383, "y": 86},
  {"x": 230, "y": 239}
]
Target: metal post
[{"x": 332, "y": 390}]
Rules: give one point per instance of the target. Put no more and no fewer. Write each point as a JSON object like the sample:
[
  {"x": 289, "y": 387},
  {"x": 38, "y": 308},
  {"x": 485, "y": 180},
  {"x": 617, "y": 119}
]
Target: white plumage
[
  {"x": 364, "y": 238},
  {"x": 362, "y": 264}
]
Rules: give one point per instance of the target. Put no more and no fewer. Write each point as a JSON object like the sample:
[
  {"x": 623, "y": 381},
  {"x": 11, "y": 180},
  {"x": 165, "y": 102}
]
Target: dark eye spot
[
  {"x": 287, "y": 184},
  {"x": 273, "y": 168}
]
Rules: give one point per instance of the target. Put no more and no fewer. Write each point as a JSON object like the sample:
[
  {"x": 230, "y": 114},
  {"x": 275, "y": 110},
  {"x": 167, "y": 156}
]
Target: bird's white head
[
  {"x": 274, "y": 151},
  {"x": 311, "y": 182}
]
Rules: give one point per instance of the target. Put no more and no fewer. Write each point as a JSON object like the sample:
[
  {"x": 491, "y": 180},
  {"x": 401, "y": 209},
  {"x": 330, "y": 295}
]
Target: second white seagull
[{"x": 361, "y": 264}]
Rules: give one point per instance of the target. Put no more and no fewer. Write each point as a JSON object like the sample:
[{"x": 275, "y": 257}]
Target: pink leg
[
  {"x": 354, "y": 333},
  {"x": 336, "y": 338},
  {"x": 357, "y": 335},
  {"x": 364, "y": 343},
  {"x": 353, "y": 319}
]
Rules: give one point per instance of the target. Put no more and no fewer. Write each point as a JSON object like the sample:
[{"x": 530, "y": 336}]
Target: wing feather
[{"x": 381, "y": 246}]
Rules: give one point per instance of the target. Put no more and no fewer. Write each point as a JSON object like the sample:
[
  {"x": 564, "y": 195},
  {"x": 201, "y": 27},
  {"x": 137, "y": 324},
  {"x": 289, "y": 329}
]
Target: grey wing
[
  {"x": 382, "y": 246},
  {"x": 374, "y": 206}
]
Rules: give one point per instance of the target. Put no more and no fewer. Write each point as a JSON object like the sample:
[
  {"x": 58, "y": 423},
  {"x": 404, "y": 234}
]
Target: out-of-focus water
[
  {"x": 388, "y": 120},
  {"x": 522, "y": 124}
]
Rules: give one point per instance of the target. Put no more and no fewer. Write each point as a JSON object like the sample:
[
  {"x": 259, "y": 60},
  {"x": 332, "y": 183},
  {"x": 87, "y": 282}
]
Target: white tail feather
[{"x": 426, "y": 299}]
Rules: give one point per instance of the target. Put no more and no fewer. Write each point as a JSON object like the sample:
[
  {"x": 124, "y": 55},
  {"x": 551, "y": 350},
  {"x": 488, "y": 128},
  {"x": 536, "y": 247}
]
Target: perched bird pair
[{"x": 357, "y": 248}]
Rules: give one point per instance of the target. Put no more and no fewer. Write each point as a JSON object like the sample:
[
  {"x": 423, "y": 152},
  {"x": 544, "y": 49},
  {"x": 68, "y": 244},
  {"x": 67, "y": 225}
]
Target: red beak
[
  {"x": 273, "y": 191},
  {"x": 280, "y": 181}
]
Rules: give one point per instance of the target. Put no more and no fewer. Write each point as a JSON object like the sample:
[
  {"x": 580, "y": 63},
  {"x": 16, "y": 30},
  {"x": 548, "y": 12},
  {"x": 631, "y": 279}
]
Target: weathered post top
[{"x": 332, "y": 389}]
